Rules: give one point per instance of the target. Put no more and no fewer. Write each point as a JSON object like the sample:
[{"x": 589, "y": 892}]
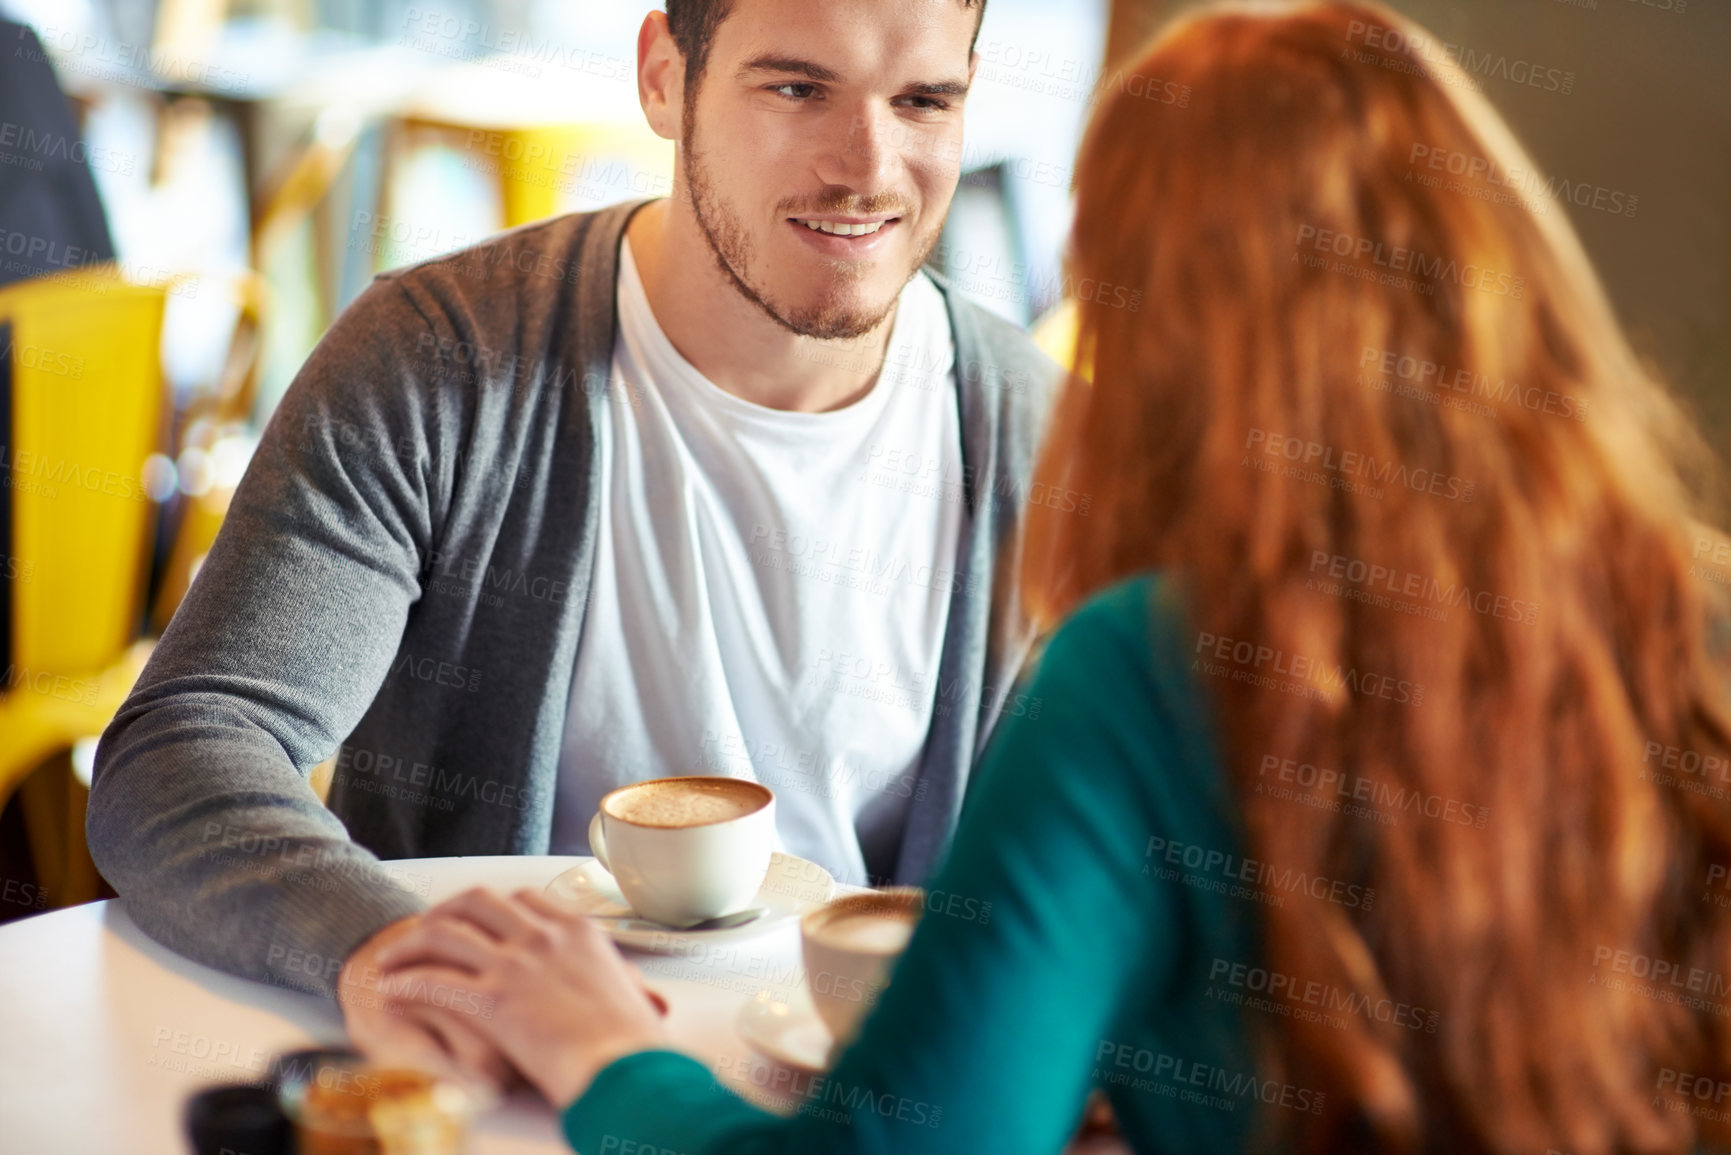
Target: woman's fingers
[
  {"x": 491, "y": 912},
  {"x": 438, "y": 986},
  {"x": 544, "y": 906},
  {"x": 448, "y": 941},
  {"x": 473, "y": 1056},
  {"x": 588, "y": 933}
]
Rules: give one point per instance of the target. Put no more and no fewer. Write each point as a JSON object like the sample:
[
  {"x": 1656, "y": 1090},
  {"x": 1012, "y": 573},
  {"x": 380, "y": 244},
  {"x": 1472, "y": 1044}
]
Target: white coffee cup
[
  {"x": 850, "y": 947},
  {"x": 686, "y": 849}
]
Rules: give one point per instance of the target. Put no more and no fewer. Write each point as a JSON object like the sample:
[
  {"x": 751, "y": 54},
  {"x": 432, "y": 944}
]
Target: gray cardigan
[{"x": 401, "y": 582}]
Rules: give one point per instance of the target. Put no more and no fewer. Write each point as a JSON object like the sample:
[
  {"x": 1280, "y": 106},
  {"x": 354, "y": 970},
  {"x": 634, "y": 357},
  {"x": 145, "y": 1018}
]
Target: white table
[{"x": 104, "y": 1032}]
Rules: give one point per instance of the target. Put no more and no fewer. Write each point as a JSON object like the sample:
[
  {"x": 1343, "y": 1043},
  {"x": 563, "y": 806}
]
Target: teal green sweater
[{"x": 1083, "y": 932}]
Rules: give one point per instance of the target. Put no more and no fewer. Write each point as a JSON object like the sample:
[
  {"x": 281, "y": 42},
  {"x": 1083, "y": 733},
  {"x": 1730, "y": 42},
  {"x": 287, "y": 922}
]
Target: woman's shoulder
[
  {"x": 1121, "y": 652},
  {"x": 1119, "y": 668},
  {"x": 1131, "y": 627}
]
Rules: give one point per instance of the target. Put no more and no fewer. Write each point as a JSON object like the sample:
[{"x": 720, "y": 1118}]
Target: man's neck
[{"x": 729, "y": 339}]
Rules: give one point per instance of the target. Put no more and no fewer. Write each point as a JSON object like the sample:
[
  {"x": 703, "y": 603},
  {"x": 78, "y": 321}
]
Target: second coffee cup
[
  {"x": 850, "y": 947},
  {"x": 686, "y": 849}
]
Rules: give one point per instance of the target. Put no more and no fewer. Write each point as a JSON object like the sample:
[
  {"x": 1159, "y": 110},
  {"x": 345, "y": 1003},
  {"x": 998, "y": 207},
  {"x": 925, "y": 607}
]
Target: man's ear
[{"x": 660, "y": 77}]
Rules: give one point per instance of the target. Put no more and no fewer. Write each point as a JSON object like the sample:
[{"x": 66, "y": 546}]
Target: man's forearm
[{"x": 224, "y": 854}]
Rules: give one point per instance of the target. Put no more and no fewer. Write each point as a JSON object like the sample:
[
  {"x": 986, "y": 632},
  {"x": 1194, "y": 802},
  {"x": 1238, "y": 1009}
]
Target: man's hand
[{"x": 412, "y": 1035}]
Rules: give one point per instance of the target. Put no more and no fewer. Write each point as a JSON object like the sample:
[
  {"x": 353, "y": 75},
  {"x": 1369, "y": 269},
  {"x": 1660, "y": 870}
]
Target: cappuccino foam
[{"x": 683, "y": 804}]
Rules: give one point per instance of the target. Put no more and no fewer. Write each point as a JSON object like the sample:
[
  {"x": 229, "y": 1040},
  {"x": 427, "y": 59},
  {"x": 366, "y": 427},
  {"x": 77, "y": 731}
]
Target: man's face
[{"x": 816, "y": 117}]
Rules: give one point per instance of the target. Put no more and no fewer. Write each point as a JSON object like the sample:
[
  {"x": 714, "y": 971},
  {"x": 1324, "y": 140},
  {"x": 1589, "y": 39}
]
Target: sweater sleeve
[
  {"x": 200, "y": 814},
  {"x": 1039, "y": 932}
]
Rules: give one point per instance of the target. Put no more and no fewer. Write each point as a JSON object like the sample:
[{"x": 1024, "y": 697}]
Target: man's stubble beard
[{"x": 827, "y": 320}]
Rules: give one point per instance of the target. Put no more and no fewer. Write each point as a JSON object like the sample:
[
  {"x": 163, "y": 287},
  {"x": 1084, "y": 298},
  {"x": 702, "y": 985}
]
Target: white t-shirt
[{"x": 771, "y": 589}]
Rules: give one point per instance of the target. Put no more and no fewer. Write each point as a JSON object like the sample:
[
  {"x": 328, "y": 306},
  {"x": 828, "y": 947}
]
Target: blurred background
[{"x": 191, "y": 190}]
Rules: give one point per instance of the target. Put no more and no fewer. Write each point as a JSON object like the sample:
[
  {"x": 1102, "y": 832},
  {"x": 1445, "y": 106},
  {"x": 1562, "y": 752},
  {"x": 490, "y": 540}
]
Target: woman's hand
[
  {"x": 546, "y": 986},
  {"x": 416, "y": 1035}
]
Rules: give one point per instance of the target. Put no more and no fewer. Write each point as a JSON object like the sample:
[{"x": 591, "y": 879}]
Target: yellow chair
[
  {"x": 87, "y": 410},
  {"x": 541, "y": 169},
  {"x": 1058, "y": 333}
]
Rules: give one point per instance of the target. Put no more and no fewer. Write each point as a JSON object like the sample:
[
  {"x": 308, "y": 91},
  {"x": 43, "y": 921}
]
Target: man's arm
[{"x": 200, "y": 811}]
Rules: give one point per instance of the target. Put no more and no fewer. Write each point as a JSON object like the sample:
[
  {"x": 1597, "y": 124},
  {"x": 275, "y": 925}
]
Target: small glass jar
[{"x": 353, "y": 1108}]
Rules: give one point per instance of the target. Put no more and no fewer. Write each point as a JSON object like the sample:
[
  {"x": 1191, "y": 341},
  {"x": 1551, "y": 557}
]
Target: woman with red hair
[{"x": 1363, "y": 808}]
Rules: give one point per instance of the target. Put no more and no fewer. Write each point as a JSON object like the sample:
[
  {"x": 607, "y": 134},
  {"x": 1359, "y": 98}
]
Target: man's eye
[
  {"x": 796, "y": 91},
  {"x": 926, "y": 103}
]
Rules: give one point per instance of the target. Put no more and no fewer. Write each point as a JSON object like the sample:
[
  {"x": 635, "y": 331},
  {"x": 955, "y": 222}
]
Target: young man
[{"x": 710, "y": 485}]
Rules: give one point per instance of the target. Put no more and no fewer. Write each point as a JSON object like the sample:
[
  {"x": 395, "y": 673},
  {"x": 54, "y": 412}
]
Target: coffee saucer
[
  {"x": 785, "y": 1028},
  {"x": 792, "y": 887}
]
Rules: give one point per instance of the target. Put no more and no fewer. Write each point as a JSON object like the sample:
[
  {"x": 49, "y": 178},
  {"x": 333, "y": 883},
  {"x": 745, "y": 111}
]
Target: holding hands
[{"x": 533, "y": 984}]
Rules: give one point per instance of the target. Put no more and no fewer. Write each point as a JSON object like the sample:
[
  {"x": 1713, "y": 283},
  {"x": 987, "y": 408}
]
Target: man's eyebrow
[
  {"x": 946, "y": 88},
  {"x": 790, "y": 65},
  {"x": 793, "y": 66}
]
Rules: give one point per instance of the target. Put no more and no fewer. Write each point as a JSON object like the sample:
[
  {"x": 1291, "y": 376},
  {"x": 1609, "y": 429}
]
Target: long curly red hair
[{"x": 1375, "y": 412}]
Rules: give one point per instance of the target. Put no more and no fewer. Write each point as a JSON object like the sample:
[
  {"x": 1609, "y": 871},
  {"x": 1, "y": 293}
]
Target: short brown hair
[{"x": 693, "y": 24}]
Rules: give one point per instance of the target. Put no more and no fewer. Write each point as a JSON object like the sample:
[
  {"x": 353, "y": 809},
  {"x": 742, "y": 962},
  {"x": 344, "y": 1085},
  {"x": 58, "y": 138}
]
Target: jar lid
[{"x": 237, "y": 1117}]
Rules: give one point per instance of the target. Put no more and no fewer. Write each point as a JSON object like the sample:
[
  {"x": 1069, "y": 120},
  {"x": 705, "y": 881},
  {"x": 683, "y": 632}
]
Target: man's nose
[{"x": 863, "y": 155}]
